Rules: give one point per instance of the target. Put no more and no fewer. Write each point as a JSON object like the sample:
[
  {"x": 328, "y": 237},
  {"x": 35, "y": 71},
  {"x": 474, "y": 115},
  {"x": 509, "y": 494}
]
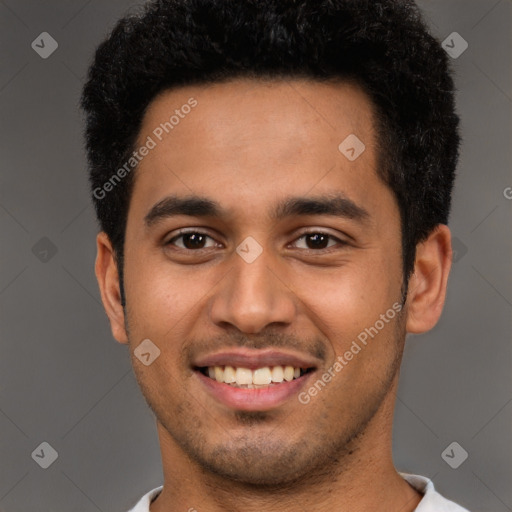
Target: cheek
[
  {"x": 158, "y": 305},
  {"x": 165, "y": 298},
  {"x": 346, "y": 306},
  {"x": 352, "y": 295},
  {"x": 155, "y": 299}
]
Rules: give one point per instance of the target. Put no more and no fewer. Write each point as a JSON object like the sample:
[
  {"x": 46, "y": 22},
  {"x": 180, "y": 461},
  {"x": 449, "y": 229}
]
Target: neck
[{"x": 362, "y": 479}]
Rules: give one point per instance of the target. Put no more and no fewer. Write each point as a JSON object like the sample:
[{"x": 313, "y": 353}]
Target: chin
[
  {"x": 266, "y": 474},
  {"x": 259, "y": 462}
]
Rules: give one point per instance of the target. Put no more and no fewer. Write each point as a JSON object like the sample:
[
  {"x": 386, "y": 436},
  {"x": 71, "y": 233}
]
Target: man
[{"x": 273, "y": 183}]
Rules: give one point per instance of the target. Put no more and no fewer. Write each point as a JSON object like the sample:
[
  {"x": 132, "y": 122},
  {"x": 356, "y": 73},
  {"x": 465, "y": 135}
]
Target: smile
[
  {"x": 253, "y": 379},
  {"x": 263, "y": 377}
]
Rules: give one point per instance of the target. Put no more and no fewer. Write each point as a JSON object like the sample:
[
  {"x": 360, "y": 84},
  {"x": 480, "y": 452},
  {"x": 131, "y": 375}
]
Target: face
[{"x": 289, "y": 255}]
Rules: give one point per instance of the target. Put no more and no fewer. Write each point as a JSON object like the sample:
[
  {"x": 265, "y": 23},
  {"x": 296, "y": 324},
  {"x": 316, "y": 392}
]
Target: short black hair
[{"x": 384, "y": 46}]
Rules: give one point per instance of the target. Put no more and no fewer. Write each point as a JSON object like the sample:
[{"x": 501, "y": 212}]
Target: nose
[{"x": 252, "y": 296}]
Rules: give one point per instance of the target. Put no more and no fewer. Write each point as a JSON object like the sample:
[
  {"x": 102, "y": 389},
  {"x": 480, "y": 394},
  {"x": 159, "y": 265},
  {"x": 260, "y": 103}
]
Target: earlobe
[
  {"x": 428, "y": 283},
  {"x": 108, "y": 281}
]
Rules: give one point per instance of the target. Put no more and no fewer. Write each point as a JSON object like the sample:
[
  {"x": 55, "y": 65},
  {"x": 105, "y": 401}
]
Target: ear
[
  {"x": 108, "y": 280},
  {"x": 427, "y": 285}
]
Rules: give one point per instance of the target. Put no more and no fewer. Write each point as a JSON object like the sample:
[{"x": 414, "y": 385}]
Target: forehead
[
  {"x": 248, "y": 140},
  {"x": 286, "y": 109}
]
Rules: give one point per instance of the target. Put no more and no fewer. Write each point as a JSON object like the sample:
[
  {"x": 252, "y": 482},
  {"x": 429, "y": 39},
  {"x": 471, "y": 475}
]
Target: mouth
[
  {"x": 259, "y": 378},
  {"x": 253, "y": 380}
]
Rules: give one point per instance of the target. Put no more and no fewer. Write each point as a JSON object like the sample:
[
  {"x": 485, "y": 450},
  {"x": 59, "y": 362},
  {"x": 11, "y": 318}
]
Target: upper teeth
[{"x": 259, "y": 377}]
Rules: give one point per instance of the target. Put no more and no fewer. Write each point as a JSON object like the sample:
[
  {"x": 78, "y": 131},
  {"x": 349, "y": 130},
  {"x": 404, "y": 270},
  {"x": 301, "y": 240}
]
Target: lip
[
  {"x": 260, "y": 399},
  {"x": 252, "y": 359}
]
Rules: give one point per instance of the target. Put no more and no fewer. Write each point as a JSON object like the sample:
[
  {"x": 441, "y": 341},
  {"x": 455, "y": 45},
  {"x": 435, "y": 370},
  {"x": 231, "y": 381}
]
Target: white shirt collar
[{"x": 432, "y": 501}]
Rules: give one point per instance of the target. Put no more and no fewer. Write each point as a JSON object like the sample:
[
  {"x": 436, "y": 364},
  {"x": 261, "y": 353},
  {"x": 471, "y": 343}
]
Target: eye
[
  {"x": 318, "y": 240},
  {"x": 196, "y": 240},
  {"x": 192, "y": 240}
]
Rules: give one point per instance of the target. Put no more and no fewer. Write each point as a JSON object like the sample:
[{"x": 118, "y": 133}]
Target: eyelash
[{"x": 316, "y": 232}]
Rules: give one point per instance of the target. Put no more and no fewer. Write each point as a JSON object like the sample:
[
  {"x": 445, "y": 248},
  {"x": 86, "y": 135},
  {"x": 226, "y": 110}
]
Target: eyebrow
[{"x": 197, "y": 206}]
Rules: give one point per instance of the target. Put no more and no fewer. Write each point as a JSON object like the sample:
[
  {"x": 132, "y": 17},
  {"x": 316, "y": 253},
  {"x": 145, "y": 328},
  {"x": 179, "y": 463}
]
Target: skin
[{"x": 247, "y": 145}]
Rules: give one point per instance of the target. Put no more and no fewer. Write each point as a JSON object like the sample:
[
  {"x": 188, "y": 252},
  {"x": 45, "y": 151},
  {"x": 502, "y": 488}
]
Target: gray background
[{"x": 65, "y": 381}]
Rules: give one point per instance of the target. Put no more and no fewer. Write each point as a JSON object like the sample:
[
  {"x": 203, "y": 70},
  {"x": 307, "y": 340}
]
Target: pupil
[
  {"x": 195, "y": 240},
  {"x": 318, "y": 240},
  {"x": 194, "y": 237}
]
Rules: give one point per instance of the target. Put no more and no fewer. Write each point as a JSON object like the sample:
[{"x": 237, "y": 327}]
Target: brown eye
[
  {"x": 192, "y": 240},
  {"x": 318, "y": 240}
]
